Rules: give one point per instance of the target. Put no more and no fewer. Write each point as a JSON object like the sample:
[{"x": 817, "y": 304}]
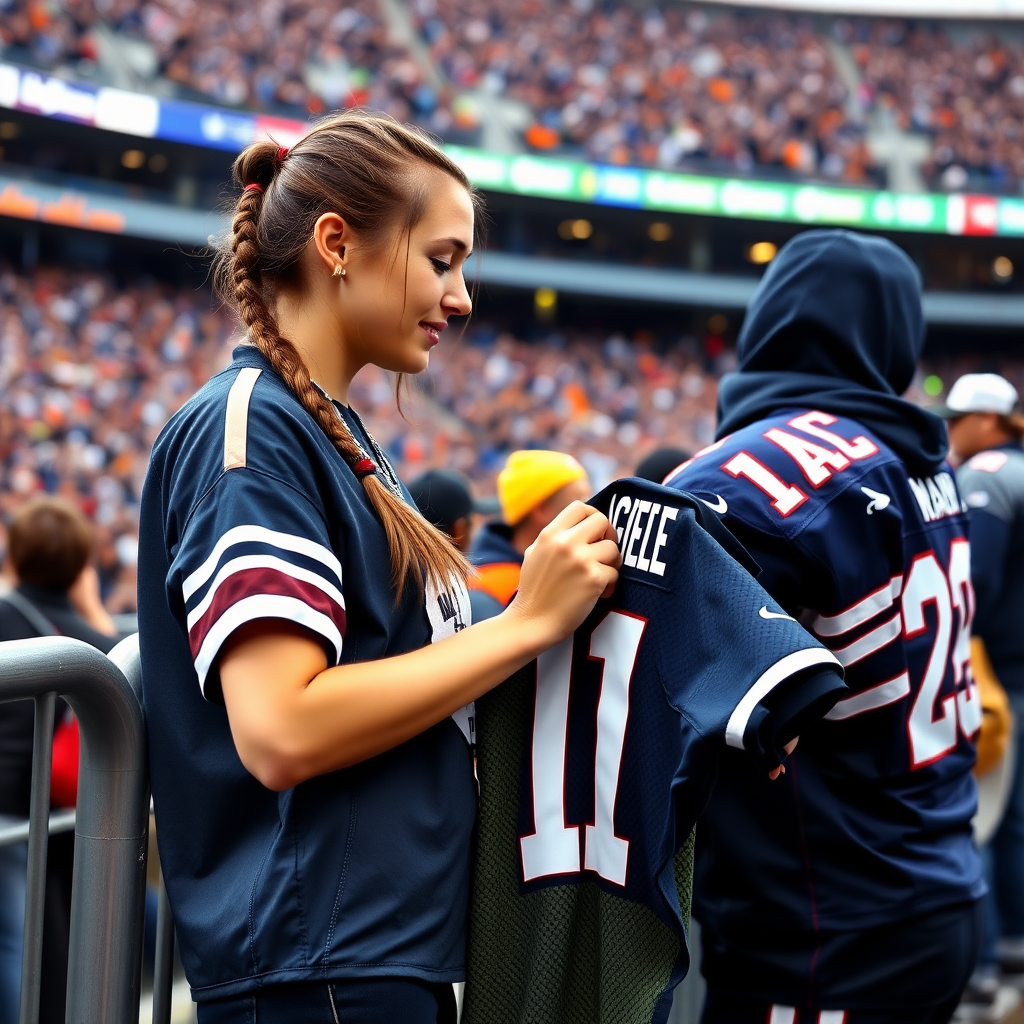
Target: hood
[{"x": 836, "y": 325}]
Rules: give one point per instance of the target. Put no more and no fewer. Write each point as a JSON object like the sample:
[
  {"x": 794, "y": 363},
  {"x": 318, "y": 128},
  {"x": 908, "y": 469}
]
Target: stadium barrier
[{"x": 111, "y": 835}]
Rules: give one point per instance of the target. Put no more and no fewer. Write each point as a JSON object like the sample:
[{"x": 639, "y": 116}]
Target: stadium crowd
[
  {"x": 298, "y": 56},
  {"x": 672, "y": 86},
  {"x": 966, "y": 91},
  {"x": 89, "y": 373},
  {"x": 658, "y": 86}
]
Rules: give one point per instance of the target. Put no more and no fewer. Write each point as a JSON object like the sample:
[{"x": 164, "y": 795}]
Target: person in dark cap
[
  {"x": 659, "y": 463},
  {"x": 849, "y": 892},
  {"x": 444, "y": 499}
]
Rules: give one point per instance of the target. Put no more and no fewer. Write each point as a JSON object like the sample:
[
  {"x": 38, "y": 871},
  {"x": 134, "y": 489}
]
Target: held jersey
[
  {"x": 249, "y": 513},
  {"x": 872, "y": 822},
  {"x": 595, "y": 761}
]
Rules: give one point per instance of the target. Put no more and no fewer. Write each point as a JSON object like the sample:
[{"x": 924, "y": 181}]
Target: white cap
[{"x": 979, "y": 392}]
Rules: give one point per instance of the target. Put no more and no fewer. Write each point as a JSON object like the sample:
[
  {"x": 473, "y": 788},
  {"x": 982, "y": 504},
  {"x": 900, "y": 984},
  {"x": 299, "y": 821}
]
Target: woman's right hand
[{"x": 574, "y": 562}]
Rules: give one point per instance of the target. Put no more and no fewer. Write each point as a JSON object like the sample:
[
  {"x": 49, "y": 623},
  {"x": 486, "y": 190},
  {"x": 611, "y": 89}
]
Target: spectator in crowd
[
  {"x": 533, "y": 488},
  {"x": 985, "y": 434},
  {"x": 444, "y": 499},
  {"x": 853, "y": 889},
  {"x": 56, "y": 592},
  {"x": 660, "y": 463}
]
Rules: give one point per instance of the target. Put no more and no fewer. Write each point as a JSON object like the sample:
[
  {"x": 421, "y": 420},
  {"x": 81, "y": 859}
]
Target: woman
[{"x": 314, "y": 791}]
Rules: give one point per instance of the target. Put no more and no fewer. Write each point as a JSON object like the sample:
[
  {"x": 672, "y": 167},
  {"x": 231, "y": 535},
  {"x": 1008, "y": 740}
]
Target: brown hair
[
  {"x": 50, "y": 542},
  {"x": 360, "y": 166}
]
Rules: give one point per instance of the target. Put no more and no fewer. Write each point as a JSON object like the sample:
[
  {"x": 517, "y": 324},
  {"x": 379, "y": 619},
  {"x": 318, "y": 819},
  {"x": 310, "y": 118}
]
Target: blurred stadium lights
[
  {"x": 686, "y": 288},
  {"x": 579, "y": 229},
  {"x": 1002, "y": 269},
  {"x": 762, "y": 252}
]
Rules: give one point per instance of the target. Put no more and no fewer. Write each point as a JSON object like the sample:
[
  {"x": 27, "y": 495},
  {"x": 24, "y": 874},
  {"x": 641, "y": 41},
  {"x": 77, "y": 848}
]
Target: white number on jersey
[
  {"x": 933, "y": 729},
  {"x": 554, "y": 847}
]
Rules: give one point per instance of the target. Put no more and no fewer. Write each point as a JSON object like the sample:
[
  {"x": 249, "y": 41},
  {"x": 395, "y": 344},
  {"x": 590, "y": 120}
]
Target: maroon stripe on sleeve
[{"x": 262, "y": 581}]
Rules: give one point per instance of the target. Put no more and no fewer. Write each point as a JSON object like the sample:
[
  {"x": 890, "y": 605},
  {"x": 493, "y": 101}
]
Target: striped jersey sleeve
[{"x": 256, "y": 547}]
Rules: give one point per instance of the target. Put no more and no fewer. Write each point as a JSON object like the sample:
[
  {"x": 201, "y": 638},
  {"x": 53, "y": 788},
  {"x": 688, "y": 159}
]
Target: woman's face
[{"x": 394, "y": 301}]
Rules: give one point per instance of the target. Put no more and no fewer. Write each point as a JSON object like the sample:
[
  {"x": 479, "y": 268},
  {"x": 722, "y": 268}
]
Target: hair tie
[
  {"x": 282, "y": 153},
  {"x": 253, "y": 187},
  {"x": 364, "y": 468}
]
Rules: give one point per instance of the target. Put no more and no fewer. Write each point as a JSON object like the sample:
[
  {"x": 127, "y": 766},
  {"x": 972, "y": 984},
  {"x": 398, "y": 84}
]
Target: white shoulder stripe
[
  {"x": 769, "y": 679},
  {"x": 236, "y": 417},
  {"x": 259, "y": 535},
  {"x": 859, "y": 613},
  {"x": 875, "y": 697},
  {"x": 262, "y": 562},
  {"x": 262, "y": 606},
  {"x": 870, "y": 642}
]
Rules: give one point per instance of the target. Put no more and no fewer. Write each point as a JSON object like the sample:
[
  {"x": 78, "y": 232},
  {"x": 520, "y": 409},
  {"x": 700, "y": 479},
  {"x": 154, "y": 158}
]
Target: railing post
[
  {"x": 108, "y": 893},
  {"x": 38, "y": 843}
]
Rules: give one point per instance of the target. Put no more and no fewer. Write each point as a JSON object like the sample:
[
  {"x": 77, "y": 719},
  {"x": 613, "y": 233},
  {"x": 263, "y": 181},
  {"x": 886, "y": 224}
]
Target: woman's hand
[
  {"x": 292, "y": 717},
  {"x": 573, "y": 562}
]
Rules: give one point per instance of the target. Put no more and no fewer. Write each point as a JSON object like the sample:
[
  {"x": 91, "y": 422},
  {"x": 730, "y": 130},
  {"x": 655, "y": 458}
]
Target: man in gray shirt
[{"x": 985, "y": 435}]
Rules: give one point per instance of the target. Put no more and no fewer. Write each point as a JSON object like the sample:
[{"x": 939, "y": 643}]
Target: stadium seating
[
  {"x": 690, "y": 87},
  {"x": 964, "y": 90}
]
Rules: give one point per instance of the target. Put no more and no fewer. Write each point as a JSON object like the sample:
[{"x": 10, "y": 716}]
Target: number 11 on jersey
[{"x": 554, "y": 847}]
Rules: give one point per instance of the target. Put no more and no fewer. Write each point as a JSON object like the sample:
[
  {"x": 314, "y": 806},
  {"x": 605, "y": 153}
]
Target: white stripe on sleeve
[
  {"x": 769, "y": 679},
  {"x": 259, "y": 535},
  {"x": 859, "y": 613},
  {"x": 262, "y": 606},
  {"x": 262, "y": 562},
  {"x": 878, "y": 638},
  {"x": 874, "y": 697}
]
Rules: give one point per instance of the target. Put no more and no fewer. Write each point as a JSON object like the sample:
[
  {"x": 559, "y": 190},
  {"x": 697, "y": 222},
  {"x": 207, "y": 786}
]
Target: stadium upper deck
[{"x": 698, "y": 87}]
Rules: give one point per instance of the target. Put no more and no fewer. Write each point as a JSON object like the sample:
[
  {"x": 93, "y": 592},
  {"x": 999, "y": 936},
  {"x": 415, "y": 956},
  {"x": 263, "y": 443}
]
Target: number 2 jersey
[
  {"x": 596, "y": 760},
  {"x": 872, "y": 822}
]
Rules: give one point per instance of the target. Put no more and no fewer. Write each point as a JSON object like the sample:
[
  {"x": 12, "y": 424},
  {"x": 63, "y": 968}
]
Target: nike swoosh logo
[
  {"x": 721, "y": 508},
  {"x": 765, "y": 614}
]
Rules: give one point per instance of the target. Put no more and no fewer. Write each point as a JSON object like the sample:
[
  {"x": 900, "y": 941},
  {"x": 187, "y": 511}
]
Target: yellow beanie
[{"x": 530, "y": 477}]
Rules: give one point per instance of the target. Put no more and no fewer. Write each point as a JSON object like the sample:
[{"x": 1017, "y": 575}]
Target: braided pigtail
[{"x": 418, "y": 550}]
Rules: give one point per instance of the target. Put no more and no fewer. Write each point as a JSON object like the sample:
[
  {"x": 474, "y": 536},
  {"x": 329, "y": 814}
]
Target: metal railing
[{"x": 108, "y": 888}]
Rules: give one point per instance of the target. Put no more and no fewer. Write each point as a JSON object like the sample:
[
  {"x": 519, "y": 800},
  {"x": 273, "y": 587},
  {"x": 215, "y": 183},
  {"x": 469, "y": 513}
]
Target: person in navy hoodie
[
  {"x": 849, "y": 892},
  {"x": 308, "y": 658}
]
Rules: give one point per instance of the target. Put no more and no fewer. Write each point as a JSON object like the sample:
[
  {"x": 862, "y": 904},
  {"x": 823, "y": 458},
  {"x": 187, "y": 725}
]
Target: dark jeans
[{"x": 354, "y": 1001}]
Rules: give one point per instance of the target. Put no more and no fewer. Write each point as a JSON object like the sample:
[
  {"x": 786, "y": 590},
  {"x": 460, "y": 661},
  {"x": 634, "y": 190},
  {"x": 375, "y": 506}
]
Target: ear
[{"x": 331, "y": 235}]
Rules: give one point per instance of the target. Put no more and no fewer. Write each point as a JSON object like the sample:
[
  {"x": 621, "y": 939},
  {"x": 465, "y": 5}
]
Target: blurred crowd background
[
  {"x": 90, "y": 370},
  {"x": 683, "y": 87}
]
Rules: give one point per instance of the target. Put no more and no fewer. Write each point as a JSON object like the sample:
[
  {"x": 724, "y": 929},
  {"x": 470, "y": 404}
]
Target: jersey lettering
[
  {"x": 936, "y": 496},
  {"x": 813, "y": 460},
  {"x": 638, "y": 528},
  {"x": 859, "y": 448},
  {"x": 785, "y": 497},
  {"x": 554, "y": 846}
]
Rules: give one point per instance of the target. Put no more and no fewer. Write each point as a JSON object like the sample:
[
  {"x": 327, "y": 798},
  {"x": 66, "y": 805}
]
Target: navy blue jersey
[
  {"x": 250, "y": 513},
  {"x": 872, "y": 822},
  {"x": 596, "y": 761}
]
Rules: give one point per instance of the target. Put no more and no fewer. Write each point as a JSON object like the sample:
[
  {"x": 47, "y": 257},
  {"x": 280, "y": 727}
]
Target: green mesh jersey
[{"x": 595, "y": 761}]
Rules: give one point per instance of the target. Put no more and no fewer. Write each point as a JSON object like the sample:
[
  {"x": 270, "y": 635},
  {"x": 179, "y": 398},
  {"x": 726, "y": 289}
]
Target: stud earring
[{"x": 339, "y": 271}]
